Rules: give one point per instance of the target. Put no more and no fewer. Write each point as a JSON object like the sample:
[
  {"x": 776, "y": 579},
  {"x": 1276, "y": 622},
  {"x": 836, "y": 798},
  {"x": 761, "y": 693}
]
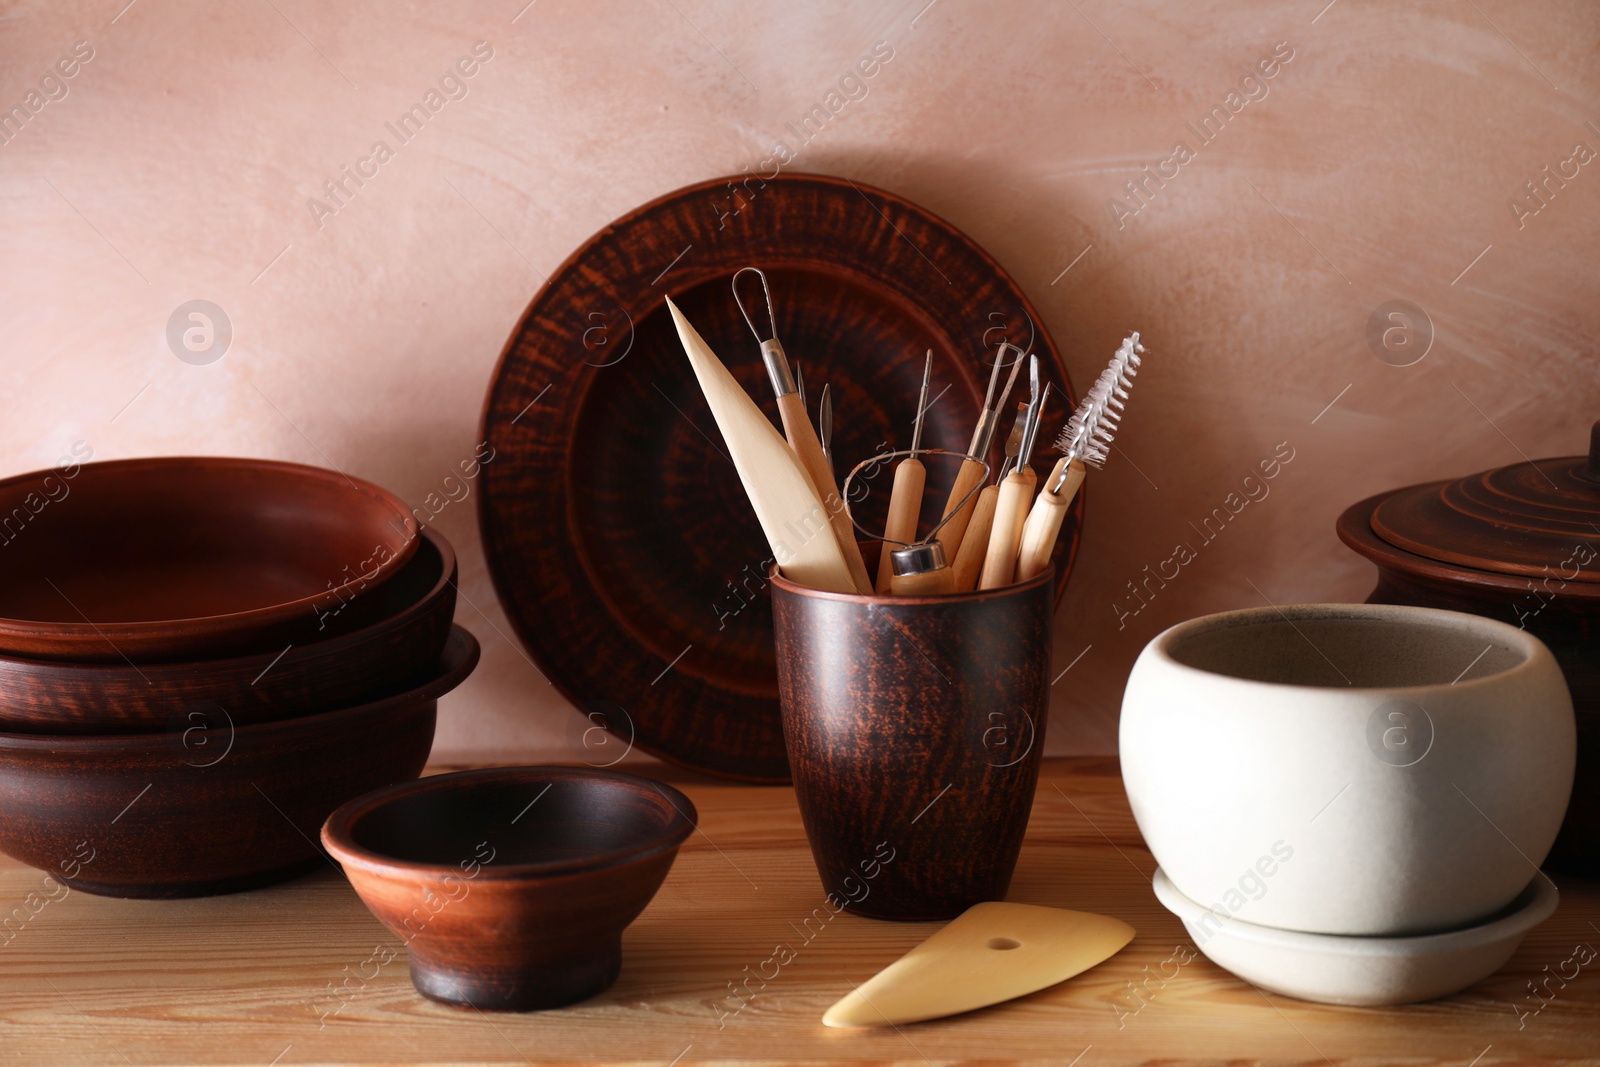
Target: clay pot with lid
[{"x": 1520, "y": 544}]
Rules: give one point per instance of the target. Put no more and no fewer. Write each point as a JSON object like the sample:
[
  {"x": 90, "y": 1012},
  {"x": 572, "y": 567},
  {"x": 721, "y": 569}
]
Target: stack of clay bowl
[{"x": 201, "y": 658}]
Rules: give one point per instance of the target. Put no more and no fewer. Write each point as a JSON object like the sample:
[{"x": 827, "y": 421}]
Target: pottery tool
[
  {"x": 825, "y": 426},
  {"x": 905, "y": 499},
  {"x": 920, "y": 570},
  {"x": 802, "y": 435},
  {"x": 1016, "y": 493},
  {"x": 920, "y": 567},
  {"x": 1085, "y": 440},
  {"x": 958, "y": 518},
  {"x": 791, "y": 514},
  {"x": 991, "y": 953},
  {"x": 969, "y": 558}
]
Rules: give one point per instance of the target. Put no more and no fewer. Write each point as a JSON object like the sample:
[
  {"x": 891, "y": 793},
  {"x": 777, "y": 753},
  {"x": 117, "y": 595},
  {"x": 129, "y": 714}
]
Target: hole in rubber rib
[{"x": 1002, "y": 943}]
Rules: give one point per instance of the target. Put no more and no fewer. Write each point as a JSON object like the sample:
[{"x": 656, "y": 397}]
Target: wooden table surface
[{"x": 249, "y": 978}]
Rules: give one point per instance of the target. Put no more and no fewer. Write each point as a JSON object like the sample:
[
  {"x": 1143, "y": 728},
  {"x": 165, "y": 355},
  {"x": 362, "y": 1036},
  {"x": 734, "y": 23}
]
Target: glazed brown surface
[
  {"x": 1524, "y": 519},
  {"x": 208, "y": 810},
  {"x": 384, "y": 642},
  {"x": 181, "y": 557},
  {"x": 915, "y": 726},
  {"x": 616, "y": 530},
  {"x": 512, "y": 886}
]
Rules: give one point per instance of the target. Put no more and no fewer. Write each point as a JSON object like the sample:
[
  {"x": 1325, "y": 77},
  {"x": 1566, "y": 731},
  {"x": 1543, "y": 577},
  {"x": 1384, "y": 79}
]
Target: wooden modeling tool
[
  {"x": 991, "y": 953},
  {"x": 1086, "y": 439},
  {"x": 792, "y": 515},
  {"x": 969, "y": 558},
  {"x": 802, "y": 435},
  {"x": 956, "y": 518},
  {"x": 825, "y": 426},
  {"x": 905, "y": 499},
  {"x": 1016, "y": 493},
  {"x": 920, "y": 570}
]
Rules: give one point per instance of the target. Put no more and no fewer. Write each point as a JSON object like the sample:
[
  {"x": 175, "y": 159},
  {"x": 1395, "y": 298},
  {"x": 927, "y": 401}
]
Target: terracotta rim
[
  {"x": 237, "y": 620},
  {"x": 456, "y": 662},
  {"x": 1534, "y": 653},
  {"x": 338, "y": 836}
]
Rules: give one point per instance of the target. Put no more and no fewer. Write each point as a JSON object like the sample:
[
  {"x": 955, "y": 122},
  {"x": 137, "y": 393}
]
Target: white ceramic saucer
[{"x": 1337, "y": 969}]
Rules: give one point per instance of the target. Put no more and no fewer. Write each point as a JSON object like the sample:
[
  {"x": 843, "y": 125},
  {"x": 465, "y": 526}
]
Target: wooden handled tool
[
  {"x": 786, "y": 503},
  {"x": 957, "y": 518},
  {"x": 920, "y": 570},
  {"x": 1044, "y": 521},
  {"x": 803, "y": 439},
  {"x": 1086, "y": 439},
  {"x": 905, "y": 499},
  {"x": 969, "y": 558},
  {"x": 1016, "y": 493}
]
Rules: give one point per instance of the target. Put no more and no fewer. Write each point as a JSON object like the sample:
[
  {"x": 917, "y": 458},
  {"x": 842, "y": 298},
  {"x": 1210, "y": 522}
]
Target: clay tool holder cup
[
  {"x": 914, "y": 728},
  {"x": 511, "y": 885}
]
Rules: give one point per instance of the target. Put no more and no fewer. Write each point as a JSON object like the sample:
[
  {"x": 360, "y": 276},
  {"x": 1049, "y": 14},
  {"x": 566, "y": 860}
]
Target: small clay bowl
[
  {"x": 183, "y": 558},
  {"x": 511, "y": 885},
  {"x": 208, "y": 811},
  {"x": 385, "y": 642}
]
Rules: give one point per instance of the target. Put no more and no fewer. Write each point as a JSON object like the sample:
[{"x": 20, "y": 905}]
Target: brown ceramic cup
[
  {"x": 914, "y": 727},
  {"x": 511, "y": 885}
]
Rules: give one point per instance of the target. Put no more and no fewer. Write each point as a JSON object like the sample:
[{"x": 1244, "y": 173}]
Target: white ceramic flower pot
[{"x": 1348, "y": 768}]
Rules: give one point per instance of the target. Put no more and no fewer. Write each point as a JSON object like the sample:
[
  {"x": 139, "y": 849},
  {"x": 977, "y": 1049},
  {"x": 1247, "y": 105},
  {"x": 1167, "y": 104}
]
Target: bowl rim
[
  {"x": 1535, "y": 654},
  {"x": 1532, "y": 906},
  {"x": 338, "y": 838},
  {"x": 99, "y": 673},
  {"x": 889, "y": 600},
  {"x": 456, "y": 661},
  {"x": 66, "y": 633}
]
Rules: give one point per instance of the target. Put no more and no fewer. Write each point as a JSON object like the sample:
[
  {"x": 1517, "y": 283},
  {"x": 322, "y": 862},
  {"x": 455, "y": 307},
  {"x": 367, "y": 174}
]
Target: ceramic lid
[{"x": 1534, "y": 518}]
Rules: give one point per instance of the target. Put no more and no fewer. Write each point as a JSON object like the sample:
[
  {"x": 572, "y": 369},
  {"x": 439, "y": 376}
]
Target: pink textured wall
[{"x": 1384, "y": 158}]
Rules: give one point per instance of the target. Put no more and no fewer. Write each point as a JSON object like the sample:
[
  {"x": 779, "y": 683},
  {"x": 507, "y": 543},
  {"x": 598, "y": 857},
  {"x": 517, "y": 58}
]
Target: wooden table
[{"x": 250, "y": 978}]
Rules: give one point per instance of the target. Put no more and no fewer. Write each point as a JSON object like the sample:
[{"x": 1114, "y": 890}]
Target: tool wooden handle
[
  {"x": 969, "y": 559},
  {"x": 1010, "y": 510},
  {"x": 803, "y": 439},
  {"x": 905, "y": 506},
  {"x": 931, "y": 583},
  {"x": 952, "y": 532},
  {"x": 1044, "y": 521}
]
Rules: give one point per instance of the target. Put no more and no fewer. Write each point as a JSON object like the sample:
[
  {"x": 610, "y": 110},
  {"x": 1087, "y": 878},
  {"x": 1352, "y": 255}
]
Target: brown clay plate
[{"x": 617, "y": 533}]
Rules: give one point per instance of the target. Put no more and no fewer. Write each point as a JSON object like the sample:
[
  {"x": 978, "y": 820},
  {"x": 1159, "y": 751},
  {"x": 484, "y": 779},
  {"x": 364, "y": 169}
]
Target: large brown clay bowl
[
  {"x": 182, "y": 558},
  {"x": 201, "y": 812},
  {"x": 511, "y": 885},
  {"x": 385, "y": 642}
]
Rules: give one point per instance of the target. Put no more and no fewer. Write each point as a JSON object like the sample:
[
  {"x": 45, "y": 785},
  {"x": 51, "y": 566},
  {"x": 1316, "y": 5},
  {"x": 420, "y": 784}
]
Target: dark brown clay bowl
[
  {"x": 182, "y": 558},
  {"x": 511, "y": 885},
  {"x": 384, "y": 642},
  {"x": 197, "y": 813}
]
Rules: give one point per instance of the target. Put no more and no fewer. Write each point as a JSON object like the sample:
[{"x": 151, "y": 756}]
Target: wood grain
[{"x": 244, "y": 979}]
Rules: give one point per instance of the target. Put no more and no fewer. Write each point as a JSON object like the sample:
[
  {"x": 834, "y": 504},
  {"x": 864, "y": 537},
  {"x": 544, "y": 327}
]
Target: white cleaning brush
[{"x": 1085, "y": 440}]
